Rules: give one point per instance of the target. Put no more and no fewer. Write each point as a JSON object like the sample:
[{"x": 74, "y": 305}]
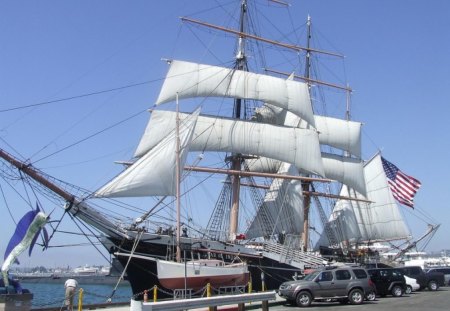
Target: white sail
[
  {"x": 347, "y": 170},
  {"x": 197, "y": 80},
  {"x": 299, "y": 147},
  {"x": 341, "y": 134},
  {"x": 283, "y": 206},
  {"x": 337, "y": 133},
  {"x": 154, "y": 172},
  {"x": 377, "y": 221},
  {"x": 263, "y": 165}
]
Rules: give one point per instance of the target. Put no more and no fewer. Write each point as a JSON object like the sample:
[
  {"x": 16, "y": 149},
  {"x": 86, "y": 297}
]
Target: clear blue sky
[{"x": 396, "y": 61}]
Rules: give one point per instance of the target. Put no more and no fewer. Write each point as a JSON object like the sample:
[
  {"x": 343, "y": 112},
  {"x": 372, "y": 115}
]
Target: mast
[
  {"x": 307, "y": 185},
  {"x": 177, "y": 177},
  {"x": 236, "y": 158}
]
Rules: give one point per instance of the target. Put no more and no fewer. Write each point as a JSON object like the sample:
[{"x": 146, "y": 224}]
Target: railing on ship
[{"x": 290, "y": 252}]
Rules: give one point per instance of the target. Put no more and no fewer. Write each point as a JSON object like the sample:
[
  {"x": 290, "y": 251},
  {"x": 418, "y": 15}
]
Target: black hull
[{"x": 142, "y": 273}]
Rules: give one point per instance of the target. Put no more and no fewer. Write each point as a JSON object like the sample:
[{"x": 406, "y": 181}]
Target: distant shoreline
[{"x": 82, "y": 279}]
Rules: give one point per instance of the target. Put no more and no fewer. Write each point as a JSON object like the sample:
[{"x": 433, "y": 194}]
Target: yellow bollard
[
  {"x": 155, "y": 293},
  {"x": 208, "y": 294},
  {"x": 250, "y": 288},
  {"x": 208, "y": 290},
  {"x": 80, "y": 300},
  {"x": 263, "y": 284}
]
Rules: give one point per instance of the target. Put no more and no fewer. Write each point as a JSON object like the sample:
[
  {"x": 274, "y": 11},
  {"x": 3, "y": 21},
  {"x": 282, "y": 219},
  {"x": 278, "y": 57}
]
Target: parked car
[
  {"x": 376, "y": 265},
  {"x": 388, "y": 281},
  {"x": 445, "y": 270},
  {"x": 432, "y": 280},
  {"x": 343, "y": 284},
  {"x": 411, "y": 285}
]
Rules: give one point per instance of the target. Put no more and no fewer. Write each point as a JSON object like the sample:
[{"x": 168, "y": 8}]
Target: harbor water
[{"x": 52, "y": 294}]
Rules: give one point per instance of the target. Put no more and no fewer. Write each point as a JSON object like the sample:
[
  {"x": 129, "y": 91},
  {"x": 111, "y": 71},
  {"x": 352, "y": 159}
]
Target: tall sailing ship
[{"x": 279, "y": 153}]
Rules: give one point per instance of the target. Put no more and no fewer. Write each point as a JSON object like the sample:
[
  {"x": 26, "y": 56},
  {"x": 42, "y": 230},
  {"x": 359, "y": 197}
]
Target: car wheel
[
  {"x": 371, "y": 296},
  {"x": 356, "y": 297},
  {"x": 303, "y": 299},
  {"x": 433, "y": 285},
  {"x": 397, "y": 291},
  {"x": 408, "y": 290}
]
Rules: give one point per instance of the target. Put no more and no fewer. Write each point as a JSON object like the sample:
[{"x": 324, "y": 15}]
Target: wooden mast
[
  {"x": 177, "y": 176},
  {"x": 307, "y": 185},
  {"x": 236, "y": 159}
]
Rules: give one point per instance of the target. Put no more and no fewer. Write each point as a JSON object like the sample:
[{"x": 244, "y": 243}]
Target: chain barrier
[
  {"x": 202, "y": 292},
  {"x": 93, "y": 294},
  {"x": 165, "y": 292}
]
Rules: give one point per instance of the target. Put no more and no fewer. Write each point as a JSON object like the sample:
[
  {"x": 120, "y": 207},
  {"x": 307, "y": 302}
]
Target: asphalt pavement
[{"x": 417, "y": 301}]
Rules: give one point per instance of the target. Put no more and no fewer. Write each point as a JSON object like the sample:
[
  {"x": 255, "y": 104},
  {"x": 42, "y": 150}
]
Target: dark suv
[
  {"x": 388, "y": 281},
  {"x": 431, "y": 280},
  {"x": 343, "y": 284},
  {"x": 444, "y": 270}
]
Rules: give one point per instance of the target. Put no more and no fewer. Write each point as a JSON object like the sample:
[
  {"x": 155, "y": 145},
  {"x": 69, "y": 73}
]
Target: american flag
[{"x": 403, "y": 187}]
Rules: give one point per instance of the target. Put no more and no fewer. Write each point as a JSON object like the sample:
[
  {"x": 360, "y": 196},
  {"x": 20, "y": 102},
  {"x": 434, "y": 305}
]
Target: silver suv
[{"x": 343, "y": 284}]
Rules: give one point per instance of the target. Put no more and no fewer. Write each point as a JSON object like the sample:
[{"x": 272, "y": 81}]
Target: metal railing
[
  {"x": 292, "y": 255},
  {"x": 194, "y": 303}
]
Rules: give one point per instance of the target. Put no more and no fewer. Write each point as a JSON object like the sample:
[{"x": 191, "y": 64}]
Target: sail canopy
[
  {"x": 341, "y": 134},
  {"x": 283, "y": 205},
  {"x": 293, "y": 145},
  {"x": 154, "y": 172},
  {"x": 190, "y": 80},
  {"x": 380, "y": 220},
  {"x": 334, "y": 132},
  {"x": 346, "y": 170}
]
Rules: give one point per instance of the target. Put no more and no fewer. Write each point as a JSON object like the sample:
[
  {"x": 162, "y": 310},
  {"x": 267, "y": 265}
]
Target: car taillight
[{"x": 371, "y": 283}]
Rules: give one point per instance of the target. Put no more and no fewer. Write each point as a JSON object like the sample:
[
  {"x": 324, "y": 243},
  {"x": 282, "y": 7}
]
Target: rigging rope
[
  {"x": 80, "y": 96},
  {"x": 87, "y": 237},
  {"x": 136, "y": 242}
]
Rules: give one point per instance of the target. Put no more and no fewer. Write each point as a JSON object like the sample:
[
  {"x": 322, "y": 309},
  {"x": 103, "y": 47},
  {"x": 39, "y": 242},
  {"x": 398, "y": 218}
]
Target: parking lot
[{"x": 417, "y": 301}]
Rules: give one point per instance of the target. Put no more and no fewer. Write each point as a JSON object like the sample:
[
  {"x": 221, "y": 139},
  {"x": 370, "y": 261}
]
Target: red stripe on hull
[{"x": 200, "y": 282}]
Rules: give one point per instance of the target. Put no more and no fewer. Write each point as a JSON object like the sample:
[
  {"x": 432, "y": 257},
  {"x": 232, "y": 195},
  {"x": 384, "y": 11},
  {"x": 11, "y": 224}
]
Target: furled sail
[
  {"x": 197, "y": 80},
  {"x": 380, "y": 220},
  {"x": 154, "y": 172},
  {"x": 299, "y": 147}
]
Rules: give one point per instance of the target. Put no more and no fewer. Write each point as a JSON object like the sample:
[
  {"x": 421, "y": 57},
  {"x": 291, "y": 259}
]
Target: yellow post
[
  {"x": 250, "y": 288},
  {"x": 263, "y": 284},
  {"x": 208, "y": 290},
  {"x": 208, "y": 294},
  {"x": 155, "y": 293},
  {"x": 80, "y": 300}
]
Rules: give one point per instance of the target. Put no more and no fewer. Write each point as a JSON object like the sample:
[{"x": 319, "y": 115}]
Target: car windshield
[{"x": 311, "y": 276}]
